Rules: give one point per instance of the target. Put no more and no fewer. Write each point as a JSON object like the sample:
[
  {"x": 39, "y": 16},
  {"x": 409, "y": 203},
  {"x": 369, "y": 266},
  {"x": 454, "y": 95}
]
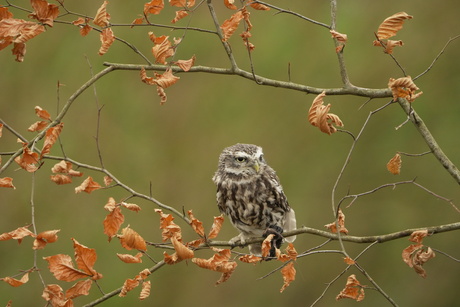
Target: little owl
[{"x": 250, "y": 194}]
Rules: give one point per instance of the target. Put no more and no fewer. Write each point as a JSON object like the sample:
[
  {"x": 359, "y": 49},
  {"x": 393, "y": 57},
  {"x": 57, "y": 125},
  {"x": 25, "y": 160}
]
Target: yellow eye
[{"x": 240, "y": 159}]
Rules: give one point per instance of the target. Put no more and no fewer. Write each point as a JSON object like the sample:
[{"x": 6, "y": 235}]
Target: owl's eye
[{"x": 240, "y": 159}]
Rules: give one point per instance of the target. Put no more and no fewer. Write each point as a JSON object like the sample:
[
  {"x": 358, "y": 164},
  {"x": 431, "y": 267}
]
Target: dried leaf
[
  {"x": 391, "y": 25},
  {"x": 219, "y": 262},
  {"x": 53, "y": 293},
  {"x": 182, "y": 252},
  {"x": 230, "y": 25},
  {"x": 18, "y": 31},
  {"x": 107, "y": 180},
  {"x": 216, "y": 226},
  {"x": 288, "y": 272},
  {"x": 339, "y": 36},
  {"x": 61, "y": 179},
  {"x": 250, "y": 259},
  {"x": 153, "y": 7},
  {"x": 230, "y": 4},
  {"x": 258, "y": 6},
  {"x": 102, "y": 17},
  {"x": 341, "y": 223},
  {"x": 44, "y": 12},
  {"x": 349, "y": 261},
  {"x": 137, "y": 21},
  {"x": 7, "y": 182},
  {"x": 28, "y": 160},
  {"x": 170, "y": 229},
  {"x": 179, "y": 15},
  {"x": 113, "y": 221},
  {"x": 16, "y": 282},
  {"x": 389, "y": 45},
  {"x": 145, "y": 292},
  {"x": 85, "y": 258},
  {"x": 394, "y": 165},
  {"x": 404, "y": 88},
  {"x": 85, "y": 28},
  {"x": 88, "y": 186},
  {"x": 1, "y": 128},
  {"x": 38, "y": 126},
  {"x": 130, "y": 239},
  {"x": 131, "y": 207},
  {"x": 267, "y": 245},
  {"x": 353, "y": 290},
  {"x": 319, "y": 116},
  {"x": 45, "y": 237},
  {"x": 110, "y": 205},
  {"x": 5, "y": 14},
  {"x": 107, "y": 38},
  {"x": 43, "y": 114},
  {"x": 127, "y": 258},
  {"x": 62, "y": 268},
  {"x": 162, "y": 81},
  {"x": 185, "y": 65},
  {"x": 162, "y": 49},
  {"x": 196, "y": 224},
  {"x": 51, "y": 137},
  {"x": 80, "y": 288},
  {"x": 17, "y": 234},
  {"x": 416, "y": 255},
  {"x": 417, "y": 236},
  {"x": 128, "y": 285}
]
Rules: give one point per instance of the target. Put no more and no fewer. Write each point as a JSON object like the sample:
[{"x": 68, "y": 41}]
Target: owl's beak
[{"x": 256, "y": 166}]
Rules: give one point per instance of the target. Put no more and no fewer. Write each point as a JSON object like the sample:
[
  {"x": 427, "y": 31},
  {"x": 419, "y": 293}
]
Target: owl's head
[{"x": 242, "y": 160}]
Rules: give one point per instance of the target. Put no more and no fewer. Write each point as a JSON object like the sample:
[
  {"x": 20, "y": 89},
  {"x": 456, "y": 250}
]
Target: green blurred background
[{"x": 174, "y": 149}]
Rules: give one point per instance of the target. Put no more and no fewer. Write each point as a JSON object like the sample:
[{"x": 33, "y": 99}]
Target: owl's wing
[{"x": 290, "y": 224}]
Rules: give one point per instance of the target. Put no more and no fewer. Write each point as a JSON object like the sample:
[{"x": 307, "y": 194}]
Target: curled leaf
[
  {"x": 230, "y": 25},
  {"x": 107, "y": 38},
  {"x": 404, "y": 88},
  {"x": 45, "y": 237},
  {"x": 88, "y": 186},
  {"x": 219, "y": 262},
  {"x": 288, "y": 272},
  {"x": 145, "y": 292},
  {"x": 394, "y": 165},
  {"x": 7, "y": 182},
  {"x": 16, "y": 282},
  {"x": 196, "y": 224},
  {"x": 391, "y": 25},
  {"x": 353, "y": 290},
  {"x": 340, "y": 222},
  {"x": 153, "y": 7},
  {"x": 44, "y": 12},
  {"x": 319, "y": 116},
  {"x": 51, "y": 137},
  {"x": 185, "y": 65},
  {"x": 130, "y": 239},
  {"x": 113, "y": 221},
  {"x": 127, "y": 258},
  {"x": 102, "y": 17}
]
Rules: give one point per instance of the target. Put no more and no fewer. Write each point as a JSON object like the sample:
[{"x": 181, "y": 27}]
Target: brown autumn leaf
[
  {"x": 80, "y": 288},
  {"x": 37, "y": 126},
  {"x": 85, "y": 258},
  {"x": 65, "y": 167},
  {"x": 7, "y": 182},
  {"x": 107, "y": 180},
  {"x": 18, "y": 234},
  {"x": 62, "y": 268},
  {"x": 388, "y": 44},
  {"x": 182, "y": 253},
  {"x": 185, "y": 65},
  {"x": 153, "y": 7},
  {"x": 112, "y": 222},
  {"x": 404, "y": 88},
  {"x": 179, "y": 15},
  {"x": 196, "y": 224},
  {"x": 339, "y": 36},
  {"x": 394, "y": 165},
  {"x": 61, "y": 179},
  {"x": 216, "y": 226},
  {"x": 161, "y": 81},
  {"x": 131, "y": 207},
  {"x": 130, "y": 239},
  {"x": 83, "y": 24},
  {"x": 353, "y": 289},
  {"x": 319, "y": 116},
  {"x": 43, "y": 114},
  {"x": 28, "y": 160},
  {"x": 162, "y": 49},
  {"x": 266, "y": 245},
  {"x": 107, "y": 38},
  {"x": 55, "y": 295},
  {"x": 290, "y": 253},
  {"x": 416, "y": 255},
  {"x": 127, "y": 258},
  {"x": 391, "y": 25},
  {"x": 349, "y": 261},
  {"x": 18, "y": 32},
  {"x": 170, "y": 229},
  {"x": 5, "y": 14},
  {"x": 250, "y": 259},
  {"x": 45, "y": 237},
  {"x": 145, "y": 292},
  {"x": 230, "y": 25},
  {"x": 288, "y": 272},
  {"x": 130, "y": 284},
  {"x": 258, "y": 6},
  {"x": 137, "y": 21},
  {"x": 1, "y": 131},
  {"x": 16, "y": 282},
  {"x": 219, "y": 262},
  {"x": 418, "y": 235},
  {"x": 102, "y": 17},
  {"x": 44, "y": 12},
  {"x": 110, "y": 205},
  {"x": 88, "y": 186},
  {"x": 230, "y": 4},
  {"x": 341, "y": 223},
  {"x": 51, "y": 137}
]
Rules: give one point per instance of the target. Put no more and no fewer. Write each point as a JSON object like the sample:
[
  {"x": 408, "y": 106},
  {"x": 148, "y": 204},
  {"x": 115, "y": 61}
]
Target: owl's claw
[
  {"x": 239, "y": 240},
  {"x": 277, "y": 239}
]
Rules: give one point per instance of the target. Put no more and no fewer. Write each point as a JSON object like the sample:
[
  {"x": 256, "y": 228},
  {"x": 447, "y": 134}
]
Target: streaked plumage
[{"x": 250, "y": 194}]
